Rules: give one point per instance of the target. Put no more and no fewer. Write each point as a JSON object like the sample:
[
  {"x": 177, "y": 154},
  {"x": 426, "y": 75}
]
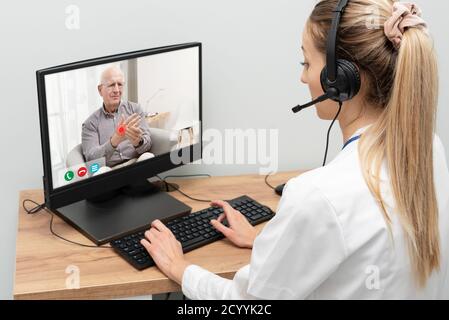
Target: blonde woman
[{"x": 373, "y": 223}]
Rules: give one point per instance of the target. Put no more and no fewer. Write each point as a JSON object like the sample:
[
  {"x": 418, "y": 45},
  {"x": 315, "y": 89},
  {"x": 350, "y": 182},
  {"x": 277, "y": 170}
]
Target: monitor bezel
[{"x": 101, "y": 184}]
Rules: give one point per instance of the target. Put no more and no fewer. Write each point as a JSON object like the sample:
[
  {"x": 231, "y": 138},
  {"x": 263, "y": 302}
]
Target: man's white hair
[{"x": 108, "y": 70}]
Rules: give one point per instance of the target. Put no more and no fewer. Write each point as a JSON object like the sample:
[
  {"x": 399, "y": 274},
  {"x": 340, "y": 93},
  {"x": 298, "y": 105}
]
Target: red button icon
[{"x": 82, "y": 171}]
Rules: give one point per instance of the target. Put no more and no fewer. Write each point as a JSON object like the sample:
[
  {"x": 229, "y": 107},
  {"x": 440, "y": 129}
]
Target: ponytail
[{"x": 403, "y": 137}]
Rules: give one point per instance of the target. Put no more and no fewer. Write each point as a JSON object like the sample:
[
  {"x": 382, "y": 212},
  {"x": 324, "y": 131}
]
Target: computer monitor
[{"x": 110, "y": 123}]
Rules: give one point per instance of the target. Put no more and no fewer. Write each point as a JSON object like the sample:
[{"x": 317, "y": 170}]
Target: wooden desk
[{"x": 42, "y": 259}]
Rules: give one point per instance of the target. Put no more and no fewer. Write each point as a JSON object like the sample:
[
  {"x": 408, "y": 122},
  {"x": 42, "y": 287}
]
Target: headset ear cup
[
  {"x": 347, "y": 82},
  {"x": 351, "y": 75}
]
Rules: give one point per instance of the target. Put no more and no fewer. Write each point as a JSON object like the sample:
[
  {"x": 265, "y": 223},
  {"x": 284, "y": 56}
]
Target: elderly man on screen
[{"x": 116, "y": 131}]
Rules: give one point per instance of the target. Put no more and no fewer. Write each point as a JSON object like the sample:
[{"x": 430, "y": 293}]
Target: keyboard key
[
  {"x": 255, "y": 217},
  {"x": 193, "y": 241}
]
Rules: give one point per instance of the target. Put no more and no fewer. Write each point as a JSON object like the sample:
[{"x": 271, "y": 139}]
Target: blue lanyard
[{"x": 351, "y": 140}]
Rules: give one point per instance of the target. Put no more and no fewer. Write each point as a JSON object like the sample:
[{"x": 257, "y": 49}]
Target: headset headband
[{"x": 331, "y": 56}]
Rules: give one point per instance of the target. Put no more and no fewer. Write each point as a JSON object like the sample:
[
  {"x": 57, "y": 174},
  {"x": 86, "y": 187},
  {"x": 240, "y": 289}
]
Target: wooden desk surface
[{"x": 42, "y": 259}]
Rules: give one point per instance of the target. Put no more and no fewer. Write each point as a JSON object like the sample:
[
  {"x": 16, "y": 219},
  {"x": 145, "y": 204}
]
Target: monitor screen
[{"x": 109, "y": 117}]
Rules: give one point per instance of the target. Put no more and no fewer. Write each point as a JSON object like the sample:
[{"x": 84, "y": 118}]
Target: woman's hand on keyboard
[
  {"x": 239, "y": 231},
  {"x": 165, "y": 250}
]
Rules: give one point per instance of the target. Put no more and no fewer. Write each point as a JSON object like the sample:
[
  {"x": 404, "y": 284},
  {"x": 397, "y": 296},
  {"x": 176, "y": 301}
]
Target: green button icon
[{"x": 69, "y": 175}]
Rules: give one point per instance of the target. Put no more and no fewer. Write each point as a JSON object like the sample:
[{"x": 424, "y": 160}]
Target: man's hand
[
  {"x": 133, "y": 132},
  {"x": 120, "y": 133},
  {"x": 118, "y": 137},
  {"x": 240, "y": 231},
  {"x": 165, "y": 250}
]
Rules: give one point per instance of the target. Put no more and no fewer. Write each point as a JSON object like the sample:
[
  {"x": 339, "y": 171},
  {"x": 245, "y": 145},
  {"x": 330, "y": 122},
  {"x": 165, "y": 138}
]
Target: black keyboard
[{"x": 193, "y": 230}]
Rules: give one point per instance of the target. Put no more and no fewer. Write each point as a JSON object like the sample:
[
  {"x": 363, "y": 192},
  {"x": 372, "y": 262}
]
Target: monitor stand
[{"x": 123, "y": 211}]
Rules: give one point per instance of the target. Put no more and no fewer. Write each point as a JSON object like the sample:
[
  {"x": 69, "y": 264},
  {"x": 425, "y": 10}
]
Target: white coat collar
[{"x": 352, "y": 145}]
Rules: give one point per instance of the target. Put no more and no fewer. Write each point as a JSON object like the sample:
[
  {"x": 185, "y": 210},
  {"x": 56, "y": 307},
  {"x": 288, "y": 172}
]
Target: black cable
[
  {"x": 179, "y": 190},
  {"x": 167, "y": 297},
  {"x": 33, "y": 210},
  {"x": 266, "y": 181},
  {"x": 40, "y": 207},
  {"x": 328, "y": 132}
]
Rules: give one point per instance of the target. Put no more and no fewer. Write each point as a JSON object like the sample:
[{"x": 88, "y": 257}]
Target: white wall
[{"x": 250, "y": 76}]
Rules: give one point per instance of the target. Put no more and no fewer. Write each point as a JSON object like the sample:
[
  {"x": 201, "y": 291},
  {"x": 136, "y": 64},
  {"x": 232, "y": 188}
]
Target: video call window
[{"x": 110, "y": 116}]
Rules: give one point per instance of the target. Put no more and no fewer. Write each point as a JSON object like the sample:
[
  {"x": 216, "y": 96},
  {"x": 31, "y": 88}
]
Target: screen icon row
[{"x": 82, "y": 171}]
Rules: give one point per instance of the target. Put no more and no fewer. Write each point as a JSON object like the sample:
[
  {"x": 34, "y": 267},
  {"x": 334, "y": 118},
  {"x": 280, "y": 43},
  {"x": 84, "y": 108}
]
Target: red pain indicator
[{"x": 121, "y": 130}]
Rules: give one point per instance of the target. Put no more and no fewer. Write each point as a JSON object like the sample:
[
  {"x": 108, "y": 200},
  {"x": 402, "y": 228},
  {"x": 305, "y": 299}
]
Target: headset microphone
[{"x": 331, "y": 93}]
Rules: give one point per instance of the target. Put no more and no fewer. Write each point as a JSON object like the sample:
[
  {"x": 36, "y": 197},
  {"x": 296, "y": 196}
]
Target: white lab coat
[{"x": 329, "y": 240}]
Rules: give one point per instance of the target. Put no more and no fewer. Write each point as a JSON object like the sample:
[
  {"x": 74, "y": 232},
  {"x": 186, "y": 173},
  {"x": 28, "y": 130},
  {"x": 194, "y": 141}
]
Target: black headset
[{"x": 340, "y": 79}]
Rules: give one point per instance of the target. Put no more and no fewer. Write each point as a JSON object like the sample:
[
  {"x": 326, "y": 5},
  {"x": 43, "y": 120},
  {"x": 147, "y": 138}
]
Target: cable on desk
[
  {"x": 40, "y": 207},
  {"x": 266, "y": 180},
  {"x": 33, "y": 210},
  {"x": 179, "y": 189}
]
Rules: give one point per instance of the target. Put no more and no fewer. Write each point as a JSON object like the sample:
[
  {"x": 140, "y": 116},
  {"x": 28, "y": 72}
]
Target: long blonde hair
[{"x": 404, "y": 83}]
